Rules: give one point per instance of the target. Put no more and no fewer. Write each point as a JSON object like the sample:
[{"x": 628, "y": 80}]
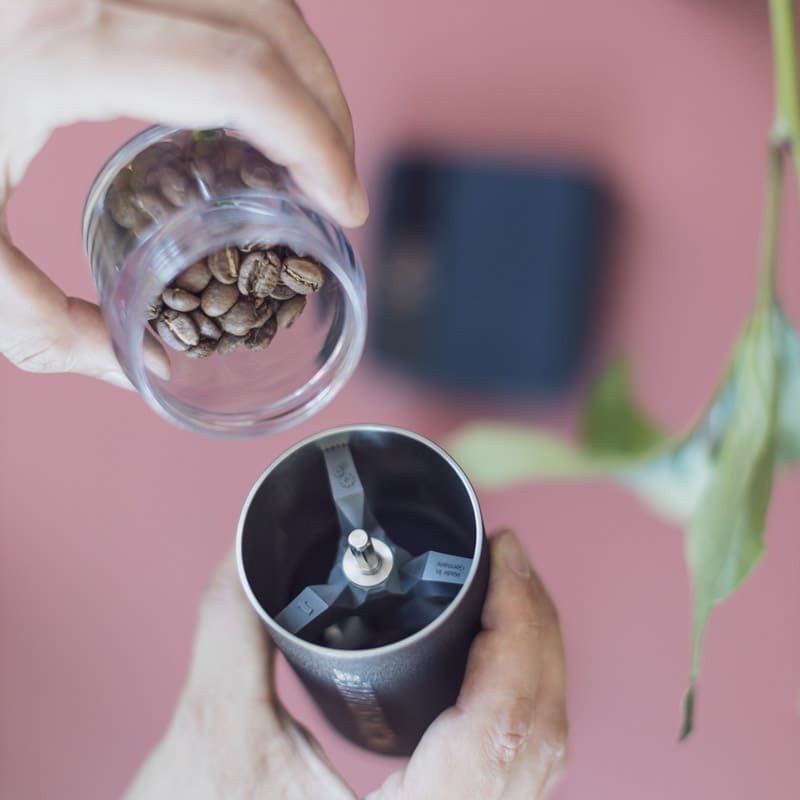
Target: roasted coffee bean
[
  {"x": 259, "y": 273},
  {"x": 121, "y": 205},
  {"x": 228, "y": 182},
  {"x": 302, "y": 275},
  {"x": 282, "y": 292},
  {"x": 181, "y": 325},
  {"x": 275, "y": 259},
  {"x": 156, "y": 154},
  {"x": 241, "y": 318},
  {"x": 147, "y": 165},
  {"x": 177, "y": 329},
  {"x": 218, "y": 298},
  {"x": 180, "y": 299},
  {"x": 258, "y": 173},
  {"x": 122, "y": 181},
  {"x": 224, "y": 265},
  {"x": 251, "y": 246},
  {"x": 152, "y": 204},
  {"x": 168, "y": 337},
  {"x": 231, "y": 153},
  {"x": 176, "y": 186},
  {"x": 228, "y": 343},
  {"x": 202, "y": 169},
  {"x": 205, "y": 325},
  {"x": 154, "y": 308},
  {"x": 203, "y": 349},
  {"x": 263, "y": 311},
  {"x": 204, "y": 161},
  {"x": 260, "y": 338},
  {"x": 289, "y": 310},
  {"x": 195, "y": 278}
]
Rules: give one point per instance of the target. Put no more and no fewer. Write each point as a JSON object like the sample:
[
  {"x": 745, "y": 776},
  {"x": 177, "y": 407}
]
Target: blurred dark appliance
[{"x": 488, "y": 272}]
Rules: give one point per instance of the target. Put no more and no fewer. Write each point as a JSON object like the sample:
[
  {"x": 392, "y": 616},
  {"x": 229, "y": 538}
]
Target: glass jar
[{"x": 171, "y": 198}]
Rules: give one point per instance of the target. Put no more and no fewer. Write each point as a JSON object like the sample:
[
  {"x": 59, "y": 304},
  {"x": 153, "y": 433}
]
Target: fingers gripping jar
[{"x": 251, "y": 305}]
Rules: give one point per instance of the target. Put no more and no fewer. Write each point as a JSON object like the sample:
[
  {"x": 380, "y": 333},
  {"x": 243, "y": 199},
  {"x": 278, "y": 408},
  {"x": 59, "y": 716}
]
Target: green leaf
[
  {"x": 789, "y": 412},
  {"x": 672, "y": 482},
  {"x": 669, "y": 481},
  {"x": 496, "y": 454},
  {"x": 688, "y": 712},
  {"x": 724, "y": 540},
  {"x": 618, "y": 437},
  {"x": 612, "y": 421}
]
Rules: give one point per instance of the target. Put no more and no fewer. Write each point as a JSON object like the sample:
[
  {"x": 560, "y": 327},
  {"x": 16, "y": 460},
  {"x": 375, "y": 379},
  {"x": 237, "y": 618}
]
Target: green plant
[{"x": 716, "y": 478}]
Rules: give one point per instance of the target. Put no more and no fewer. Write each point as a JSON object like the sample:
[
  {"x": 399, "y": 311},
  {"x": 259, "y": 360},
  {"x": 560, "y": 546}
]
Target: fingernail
[
  {"x": 359, "y": 204},
  {"x": 514, "y": 554}
]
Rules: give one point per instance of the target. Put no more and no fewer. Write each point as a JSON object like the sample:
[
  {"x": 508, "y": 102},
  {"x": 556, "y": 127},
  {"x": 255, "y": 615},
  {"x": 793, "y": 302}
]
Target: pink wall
[{"x": 107, "y": 535}]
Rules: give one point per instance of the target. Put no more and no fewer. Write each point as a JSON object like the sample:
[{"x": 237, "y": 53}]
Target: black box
[{"x": 488, "y": 272}]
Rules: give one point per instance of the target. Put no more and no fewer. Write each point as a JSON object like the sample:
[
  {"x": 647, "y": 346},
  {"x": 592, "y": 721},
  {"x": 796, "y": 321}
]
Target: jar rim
[{"x": 441, "y": 620}]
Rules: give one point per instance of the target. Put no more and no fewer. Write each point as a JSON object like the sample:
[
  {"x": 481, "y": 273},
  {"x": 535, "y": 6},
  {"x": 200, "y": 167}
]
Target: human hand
[
  {"x": 251, "y": 64},
  {"x": 504, "y": 739}
]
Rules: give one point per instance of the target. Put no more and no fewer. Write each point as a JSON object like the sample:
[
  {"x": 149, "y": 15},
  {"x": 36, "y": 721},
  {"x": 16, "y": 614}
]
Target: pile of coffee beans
[
  {"x": 170, "y": 175},
  {"x": 238, "y": 295}
]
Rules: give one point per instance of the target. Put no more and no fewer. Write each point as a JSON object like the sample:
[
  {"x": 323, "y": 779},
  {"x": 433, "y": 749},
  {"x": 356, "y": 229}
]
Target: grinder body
[{"x": 381, "y": 661}]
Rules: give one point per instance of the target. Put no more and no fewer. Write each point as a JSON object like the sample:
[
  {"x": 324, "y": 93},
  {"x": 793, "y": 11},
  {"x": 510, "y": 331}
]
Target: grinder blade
[{"x": 377, "y": 592}]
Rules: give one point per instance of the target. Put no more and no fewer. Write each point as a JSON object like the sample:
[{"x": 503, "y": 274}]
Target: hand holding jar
[{"x": 63, "y": 61}]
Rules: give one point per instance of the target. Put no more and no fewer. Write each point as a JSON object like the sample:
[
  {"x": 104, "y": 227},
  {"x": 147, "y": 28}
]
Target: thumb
[
  {"x": 232, "y": 654},
  {"x": 43, "y": 330},
  {"x": 507, "y": 732}
]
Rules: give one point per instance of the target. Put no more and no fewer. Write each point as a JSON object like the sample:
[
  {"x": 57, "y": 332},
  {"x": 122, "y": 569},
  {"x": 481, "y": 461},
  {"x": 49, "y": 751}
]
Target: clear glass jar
[{"x": 222, "y": 194}]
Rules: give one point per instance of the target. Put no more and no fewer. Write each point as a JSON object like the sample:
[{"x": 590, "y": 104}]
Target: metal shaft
[{"x": 360, "y": 544}]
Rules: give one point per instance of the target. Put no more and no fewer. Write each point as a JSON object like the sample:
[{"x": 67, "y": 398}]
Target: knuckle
[
  {"x": 516, "y": 737},
  {"x": 508, "y": 736},
  {"x": 38, "y": 356},
  {"x": 254, "y": 60}
]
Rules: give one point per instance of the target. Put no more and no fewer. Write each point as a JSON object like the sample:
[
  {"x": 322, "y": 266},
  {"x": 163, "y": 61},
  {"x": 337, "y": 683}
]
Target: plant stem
[
  {"x": 786, "y": 127},
  {"x": 785, "y": 135},
  {"x": 772, "y": 210}
]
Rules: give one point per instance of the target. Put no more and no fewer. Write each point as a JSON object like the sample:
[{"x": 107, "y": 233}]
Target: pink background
[{"x": 107, "y": 536}]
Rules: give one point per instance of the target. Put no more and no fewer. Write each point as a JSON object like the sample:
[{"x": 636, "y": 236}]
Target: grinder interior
[{"x": 359, "y": 538}]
